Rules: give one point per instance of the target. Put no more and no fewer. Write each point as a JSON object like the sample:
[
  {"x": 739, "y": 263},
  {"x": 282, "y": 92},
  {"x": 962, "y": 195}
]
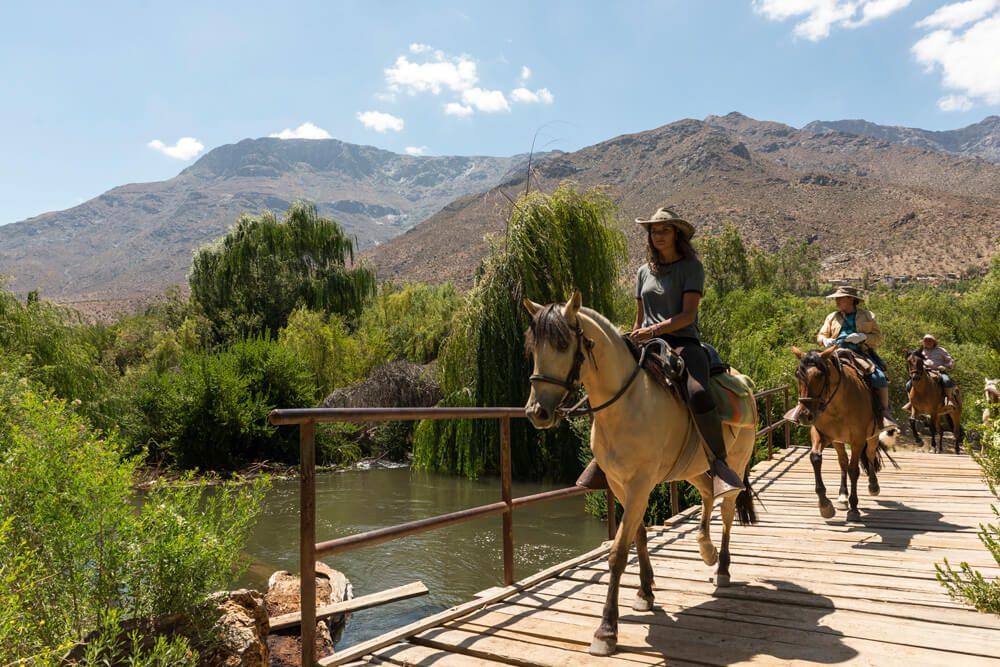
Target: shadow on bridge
[{"x": 897, "y": 524}]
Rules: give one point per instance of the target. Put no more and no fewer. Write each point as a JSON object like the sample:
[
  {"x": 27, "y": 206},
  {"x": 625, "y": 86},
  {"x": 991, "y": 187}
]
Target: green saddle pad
[{"x": 733, "y": 396}]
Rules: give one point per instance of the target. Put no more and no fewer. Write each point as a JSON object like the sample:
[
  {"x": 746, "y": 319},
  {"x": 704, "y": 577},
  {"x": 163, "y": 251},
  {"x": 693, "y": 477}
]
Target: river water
[{"x": 453, "y": 562}]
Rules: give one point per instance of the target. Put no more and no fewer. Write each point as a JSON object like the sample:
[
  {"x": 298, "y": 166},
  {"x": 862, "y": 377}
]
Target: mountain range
[
  {"x": 876, "y": 207},
  {"x": 136, "y": 239},
  {"x": 882, "y": 201}
]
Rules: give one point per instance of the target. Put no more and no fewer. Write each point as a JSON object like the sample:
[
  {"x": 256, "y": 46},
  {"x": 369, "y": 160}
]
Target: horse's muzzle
[
  {"x": 800, "y": 415},
  {"x": 540, "y": 416}
]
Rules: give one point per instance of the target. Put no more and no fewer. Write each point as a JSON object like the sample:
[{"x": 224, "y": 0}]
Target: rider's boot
[
  {"x": 592, "y": 477},
  {"x": 725, "y": 481},
  {"x": 888, "y": 423},
  {"x": 949, "y": 397}
]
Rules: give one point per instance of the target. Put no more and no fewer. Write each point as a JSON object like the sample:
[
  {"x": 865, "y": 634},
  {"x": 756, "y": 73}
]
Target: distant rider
[{"x": 855, "y": 329}]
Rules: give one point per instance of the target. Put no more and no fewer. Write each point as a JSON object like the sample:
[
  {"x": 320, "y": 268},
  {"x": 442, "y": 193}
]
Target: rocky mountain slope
[
  {"x": 873, "y": 206},
  {"x": 140, "y": 237},
  {"x": 981, "y": 139}
]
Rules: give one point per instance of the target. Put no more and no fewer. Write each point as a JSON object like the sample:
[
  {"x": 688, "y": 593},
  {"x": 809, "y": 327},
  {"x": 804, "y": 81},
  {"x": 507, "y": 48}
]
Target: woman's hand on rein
[{"x": 642, "y": 334}]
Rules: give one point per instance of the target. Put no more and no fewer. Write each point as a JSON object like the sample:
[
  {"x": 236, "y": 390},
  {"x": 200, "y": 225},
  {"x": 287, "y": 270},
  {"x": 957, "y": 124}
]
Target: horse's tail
[
  {"x": 745, "y": 512},
  {"x": 876, "y": 465}
]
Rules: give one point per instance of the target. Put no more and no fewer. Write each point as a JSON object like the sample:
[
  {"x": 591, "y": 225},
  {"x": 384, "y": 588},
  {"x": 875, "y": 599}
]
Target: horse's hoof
[
  {"x": 873, "y": 490},
  {"x": 603, "y": 646},
  {"x": 853, "y": 515},
  {"x": 827, "y": 511},
  {"x": 843, "y": 502},
  {"x": 722, "y": 580},
  {"x": 642, "y": 604},
  {"x": 710, "y": 557}
]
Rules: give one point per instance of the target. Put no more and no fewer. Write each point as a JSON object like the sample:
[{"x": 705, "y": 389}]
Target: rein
[{"x": 572, "y": 381}]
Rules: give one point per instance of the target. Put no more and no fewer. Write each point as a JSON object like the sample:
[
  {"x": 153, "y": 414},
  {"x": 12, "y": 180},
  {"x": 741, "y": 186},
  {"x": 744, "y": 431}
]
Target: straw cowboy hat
[
  {"x": 664, "y": 214},
  {"x": 929, "y": 337},
  {"x": 846, "y": 290}
]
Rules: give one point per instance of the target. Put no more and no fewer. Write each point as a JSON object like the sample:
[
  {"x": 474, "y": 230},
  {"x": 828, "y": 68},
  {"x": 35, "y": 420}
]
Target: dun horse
[
  {"x": 927, "y": 398},
  {"x": 835, "y": 401},
  {"x": 641, "y": 435}
]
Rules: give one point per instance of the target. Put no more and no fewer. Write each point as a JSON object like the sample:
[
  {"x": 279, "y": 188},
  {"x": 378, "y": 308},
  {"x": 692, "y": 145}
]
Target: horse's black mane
[
  {"x": 547, "y": 326},
  {"x": 811, "y": 359}
]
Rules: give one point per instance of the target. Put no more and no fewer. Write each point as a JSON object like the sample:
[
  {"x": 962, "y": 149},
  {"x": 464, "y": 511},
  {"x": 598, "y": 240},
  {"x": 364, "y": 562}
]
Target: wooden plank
[
  {"x": 412, "y": 654},
  {"x": 396, "y": 635},
  {"x": 405, "y": 592}
]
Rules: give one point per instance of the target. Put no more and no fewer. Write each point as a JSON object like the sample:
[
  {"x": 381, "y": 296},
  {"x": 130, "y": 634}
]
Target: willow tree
[
  {"x": 555, "y": 243},
  {"x": 250, "y": 280}
]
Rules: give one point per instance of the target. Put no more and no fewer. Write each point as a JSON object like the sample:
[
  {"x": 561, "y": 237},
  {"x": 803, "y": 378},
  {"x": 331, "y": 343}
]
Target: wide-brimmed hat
[
  {"x": 665, "y": 214},
  {"x": 929, "y": 337},
  {"x": 847, "y": 290}
]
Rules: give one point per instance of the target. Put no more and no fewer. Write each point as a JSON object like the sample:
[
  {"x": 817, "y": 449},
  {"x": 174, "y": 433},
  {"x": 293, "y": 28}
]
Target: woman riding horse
[
  {"x": 937, "y": 359},
  {"x": 855, "y": 329},
  {"x": 669, "y": 286}
]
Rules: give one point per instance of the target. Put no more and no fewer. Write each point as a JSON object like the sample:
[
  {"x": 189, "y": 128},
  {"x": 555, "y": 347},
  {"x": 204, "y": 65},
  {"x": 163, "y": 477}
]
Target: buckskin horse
[
  {"x": 641, "y": 435},
  {"x": 927, "y": 398},
  {"x": 838, "y": 405}
]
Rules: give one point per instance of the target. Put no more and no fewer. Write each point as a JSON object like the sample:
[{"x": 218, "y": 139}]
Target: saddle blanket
[{"x": 733, "y": 395}]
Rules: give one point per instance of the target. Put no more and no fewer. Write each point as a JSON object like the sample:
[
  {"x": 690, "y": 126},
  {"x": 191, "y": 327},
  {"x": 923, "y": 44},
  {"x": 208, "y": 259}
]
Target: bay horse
[
  {"x": 840, "y": 408},
  {"x": 927, "y": 398},
  {"x": 641, "y": 435}
]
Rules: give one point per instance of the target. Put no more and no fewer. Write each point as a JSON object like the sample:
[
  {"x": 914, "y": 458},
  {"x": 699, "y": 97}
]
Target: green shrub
[
  {"x": 212, "y": 410},
  {"x": 87, "y": 544},
  {"x": 323, "y": 344},
  {"x": 965, "y": 583}
]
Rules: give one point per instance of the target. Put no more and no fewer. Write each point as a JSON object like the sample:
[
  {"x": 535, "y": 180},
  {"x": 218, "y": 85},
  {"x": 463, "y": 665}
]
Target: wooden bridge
[{"x": 804, "y": 591}]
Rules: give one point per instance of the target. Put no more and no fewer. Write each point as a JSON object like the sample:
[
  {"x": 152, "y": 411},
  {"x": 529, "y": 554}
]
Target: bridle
[
  {"x": 822, "y": 404},
  {"x": 918, "y": 369},
  {"x": 572, "y": 382}
]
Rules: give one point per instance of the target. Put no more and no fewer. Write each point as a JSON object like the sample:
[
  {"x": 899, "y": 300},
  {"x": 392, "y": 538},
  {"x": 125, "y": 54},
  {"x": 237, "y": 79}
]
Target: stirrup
[
  {"x": 725, "y": 481},
  {"x": 592, "y": 477}
]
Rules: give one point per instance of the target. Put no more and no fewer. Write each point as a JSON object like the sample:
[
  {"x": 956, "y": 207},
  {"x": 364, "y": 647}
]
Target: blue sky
[{"x": 102, "y": 94}]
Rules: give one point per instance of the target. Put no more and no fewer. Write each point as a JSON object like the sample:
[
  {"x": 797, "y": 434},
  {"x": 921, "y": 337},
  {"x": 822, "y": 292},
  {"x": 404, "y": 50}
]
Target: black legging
[{"x": 696, "y": 360}]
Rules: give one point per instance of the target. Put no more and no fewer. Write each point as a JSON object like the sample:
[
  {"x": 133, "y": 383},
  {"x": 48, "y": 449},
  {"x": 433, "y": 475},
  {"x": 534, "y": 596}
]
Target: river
[{"x": 453, "y": 562}]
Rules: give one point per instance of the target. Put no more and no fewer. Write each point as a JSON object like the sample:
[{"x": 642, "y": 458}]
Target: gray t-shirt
[{"x": 662, "y": 294}]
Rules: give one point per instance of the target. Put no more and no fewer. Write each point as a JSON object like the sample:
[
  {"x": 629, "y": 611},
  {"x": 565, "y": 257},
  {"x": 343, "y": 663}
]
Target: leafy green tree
[
  {"x": 554, "y": 243},
  {"x": 262, "y": 269},
  {"x": 726, "y": 261},
  {"x": 323, "y": 343},
  {"x": 408, "y": 321}
]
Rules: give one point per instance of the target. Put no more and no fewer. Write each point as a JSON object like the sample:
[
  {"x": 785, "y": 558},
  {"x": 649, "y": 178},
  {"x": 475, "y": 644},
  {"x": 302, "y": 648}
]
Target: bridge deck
[{"x": 805, "y": 590}]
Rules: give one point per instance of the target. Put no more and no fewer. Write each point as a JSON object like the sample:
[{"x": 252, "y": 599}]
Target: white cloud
[
  {"x": 303, "y": 131},
  {"x": 820, "y": 16},
  {"x": 380, "y": 122},
  {"x": 185, "y": 148},
  {"x": 954, "y": 103},
  {"x": 969, "y": 60},
  {"x": 417, "y": 47},
  {"x": 957, "y": 14},
  {"x": 487, "y": 101},
  {"x": 415, "y": 150},
  {"x": 456, "y": 109},
  {"x": 525, "y": 74},
  {"x": 540, "y": 96},
  {"x": 456, "y": 74}
]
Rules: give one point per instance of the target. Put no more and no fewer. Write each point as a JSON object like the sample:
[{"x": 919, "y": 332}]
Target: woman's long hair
[{"x": 682, "y": 244}]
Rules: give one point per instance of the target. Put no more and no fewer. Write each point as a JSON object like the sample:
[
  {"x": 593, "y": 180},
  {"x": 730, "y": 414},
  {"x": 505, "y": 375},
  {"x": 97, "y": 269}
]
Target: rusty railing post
[
  {"x": 307, "y": 540},
  {"x": 788, "y": 426},
  {"x": 675, "y": 498},
  {"x": 770, "y": 431},
  {"x": 508, "y": 515}
]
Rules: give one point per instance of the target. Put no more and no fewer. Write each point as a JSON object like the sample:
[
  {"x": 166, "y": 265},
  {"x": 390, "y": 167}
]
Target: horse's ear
[
  {"x": 797, "y": 352},
  {"x": 531, "y": 306},
  {"x": 823, "y": 354},
  {"x": 572, "y": 306}
]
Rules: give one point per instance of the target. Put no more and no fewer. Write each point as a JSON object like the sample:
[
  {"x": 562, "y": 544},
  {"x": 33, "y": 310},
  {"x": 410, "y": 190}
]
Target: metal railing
[{"x": 310, "y": 550}]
